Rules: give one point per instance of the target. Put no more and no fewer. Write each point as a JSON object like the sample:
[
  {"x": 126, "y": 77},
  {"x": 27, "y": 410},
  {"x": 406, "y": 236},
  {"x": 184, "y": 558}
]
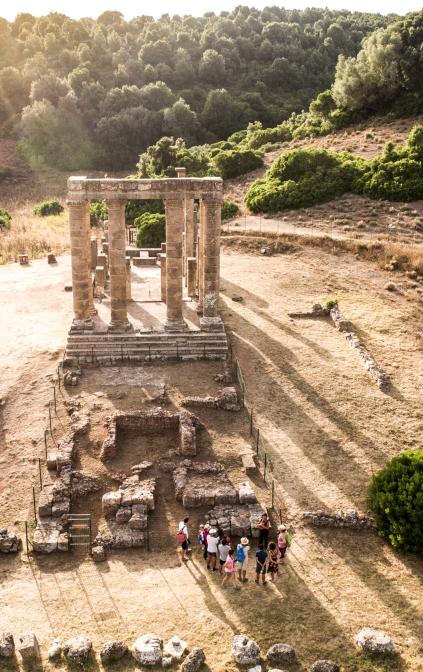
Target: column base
[
  {"x": 176, "y": 325},
  {"x": 199, "y": 309},
  {"x": 120, "y": 327},
  {"x": 93, "y": 311},
  {"x": 211, "y": 324},
  {"x": 82, "y": 325}
]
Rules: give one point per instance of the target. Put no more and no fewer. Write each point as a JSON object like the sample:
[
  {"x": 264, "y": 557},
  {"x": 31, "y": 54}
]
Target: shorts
[
  {"x": 273, "y": 568},
  {"x": 229, "y": 572},
  {"x": 222, "y": 562},
  {"x": 282, "y": 550},
  {"x": 212, "y": 555},
  {"x": 243, "y": 565},
  {"x": 260, "y": 569},
  {"x": 184, "y": 545}
]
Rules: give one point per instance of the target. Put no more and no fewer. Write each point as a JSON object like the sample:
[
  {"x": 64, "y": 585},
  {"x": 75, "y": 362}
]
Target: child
[
  {"x": 282, "y": 544},
  {"x": 230, "y": 571},
  {"x": 223, "y": 550},
  {"x": 273, "y": 560},
  {"x": 261, "y": 563}
]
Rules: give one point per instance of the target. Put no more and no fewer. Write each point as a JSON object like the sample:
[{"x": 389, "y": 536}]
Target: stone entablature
[{"x": 199, "y": 188}]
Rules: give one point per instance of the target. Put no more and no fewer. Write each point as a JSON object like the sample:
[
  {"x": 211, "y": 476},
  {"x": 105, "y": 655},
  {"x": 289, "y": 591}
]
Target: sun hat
[
  {"x": 213, "y": 530},
  {"x": 281, "y": 528},
  {"x": 244, "y": 541},
  {"x": 206, "y": 526}
]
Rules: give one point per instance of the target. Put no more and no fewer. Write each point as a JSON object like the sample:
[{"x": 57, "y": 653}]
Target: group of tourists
[{"x": 222, "y": 556}]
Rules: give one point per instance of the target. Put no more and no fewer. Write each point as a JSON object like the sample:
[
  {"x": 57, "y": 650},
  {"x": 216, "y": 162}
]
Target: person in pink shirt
[{"x": 229, "y": 571}]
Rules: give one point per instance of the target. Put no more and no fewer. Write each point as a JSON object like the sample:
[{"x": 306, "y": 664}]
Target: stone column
[
  {"x": 191, "y": 276},
  {"x": 211, "y": 264},
  {"x": 81, "y": 287},
  {"x": 117, "y": 266},
  {"x": 100, "y": 281},
  {"x": 174, "y": 209},
  {"x": 189, "y": 227},
  {"x": 200, "y": 259},
  {"x": 94, "y": 252},
  {"x": 128, "y": 279},
  {"x": 92, "y": 309},
  {"x": 162, "y": 259}
]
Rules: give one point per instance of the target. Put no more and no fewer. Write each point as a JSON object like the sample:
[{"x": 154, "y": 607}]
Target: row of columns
[{"x": 179, "y": 258}]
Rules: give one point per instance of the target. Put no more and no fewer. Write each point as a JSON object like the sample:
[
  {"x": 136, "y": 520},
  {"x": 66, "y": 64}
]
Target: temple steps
[{"x": 146, "y": 346}]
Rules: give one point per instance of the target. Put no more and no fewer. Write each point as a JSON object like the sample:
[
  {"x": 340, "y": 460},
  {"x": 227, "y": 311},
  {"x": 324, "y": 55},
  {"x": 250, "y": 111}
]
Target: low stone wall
[
  {"x": 227, "y": 400},
  {"x": 239, "y": 520},
  {"x": 342, "y": 518},
  {"x": 9, "y": 542},
  {"x": 151, "y": 422}
]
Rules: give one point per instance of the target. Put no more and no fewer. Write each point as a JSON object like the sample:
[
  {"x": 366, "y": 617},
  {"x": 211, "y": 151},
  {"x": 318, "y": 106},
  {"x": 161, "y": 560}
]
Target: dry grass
[
  {"x": 33, "y": 235},
  {"x": 402, "y": 256}
]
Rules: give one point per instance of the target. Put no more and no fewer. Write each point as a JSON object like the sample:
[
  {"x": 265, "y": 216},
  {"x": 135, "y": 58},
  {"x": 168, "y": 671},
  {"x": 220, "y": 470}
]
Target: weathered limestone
[
  {"x": 117, "y": 245},
  {"x": 191, "y": 276},
  {"x": 80, "y": 263},
  {"x": 176, "y": 648},
  {"x": 375, "y": 641},
  {"x": 148, "y": 650},
  {"x": 194, "y": 661},
  {"x": 211, "y": 214},
  {"x": 7, "y": 645},
  {"x": 78, "y": 649},
  {"x": 100, "y": 281},
  {"x": 238, "y": 520},
  {"x": 162, "y": 261},
  {"x": 281, "y": 653},
  {"x": 227, "y": 399},
  {"x": 342, "y": 518},
  {"x": 28, "y": 647},
  {"x": 202, "y": 484},
  {"x": 324, "y": 666},
  {"x": 174, "y": 226},
  {"x": 128, "y": 279},
  {"x": 91, "y": 308},
  {"x": 9, "y": 542},
  {"x": 94, "y": 252},
  {"x": 113, "y": 650},
  {"x": 245, "y": 651}
]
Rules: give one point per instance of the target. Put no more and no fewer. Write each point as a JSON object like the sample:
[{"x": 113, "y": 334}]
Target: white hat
[
  {"x": 281, "y": 528},
  {"x": 244, "y": 541},
  {"x": 206, "y": 526},
  {"x": 213, "y": 530}
]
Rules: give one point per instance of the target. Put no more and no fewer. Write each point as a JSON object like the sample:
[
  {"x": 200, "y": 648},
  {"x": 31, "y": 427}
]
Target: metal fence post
[
  {"x": 54, "y": 398},
  {"x": 265, "y": 465},
  {"x": 273, "y": 493},
  {"x": 26, "y": 538},
  {"x": 49, "y": 418},
  {"x": 258, "y": 440},
  {"x": 45, "y": 441},
  {"x": 33, "y": 501},
  {"x": 251, "y": 422},
  {"x": 40, "y": 474}
]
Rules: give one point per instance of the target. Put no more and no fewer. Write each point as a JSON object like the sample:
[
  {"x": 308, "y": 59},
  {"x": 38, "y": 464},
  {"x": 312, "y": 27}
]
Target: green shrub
[
  {"x": 331, "y": 303},
  {"x": 151, "y": 230},
  {"x": 135, "y": 208},
  {"x": 393, "y": 180},
  {"x": 396, "y": 497},
  {"x": 5, "y": 220},
  {"x": 48, "y": 208},
  {"x": 231, "y": 163},
  {"x": 98, "y": 212},
  {"x": 229, "y": 210},
  {"x": 264, "y": 136},
  {"x": 303, "y": 177}
]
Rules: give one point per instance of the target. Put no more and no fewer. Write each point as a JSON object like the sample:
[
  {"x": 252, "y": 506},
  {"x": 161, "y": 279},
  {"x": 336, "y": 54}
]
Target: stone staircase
[{"x": 93, "y": 347}]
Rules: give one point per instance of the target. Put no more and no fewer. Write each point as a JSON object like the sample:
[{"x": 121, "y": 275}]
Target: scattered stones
[
  {"x": 237, "y": 298},
  {"x": 324, "y": 666},
  {"x": 375, "y": 641},
  {"x": 381, "y": 378},
  {"x": 176, "y": 648},
  {"x": 98, "y": 553},
  {"x": 83, "y": 484},
  {"x": 148, "y": 650},
  {"x": 194, "y": 660},
  {"x": 113, "y": 650},
  {"x": 9, "y": 542},
  {"x": 46, "y": 535},
  {"x": 245, "y": 651},
  {"x": 28, "y": 646},
  {"x": 227, "y": 400},
  {"x": 266, "y": 251},
  {"x": 78, "y": 649},
  {"x": 7, "y": 645},
  {"x": 281, "y": 653},
  {"x": 55, "y": 650},
  {"x": 51, "y": 259},
  {"x": 342, "y": 518},
  {"x": 70, "y": 379}
]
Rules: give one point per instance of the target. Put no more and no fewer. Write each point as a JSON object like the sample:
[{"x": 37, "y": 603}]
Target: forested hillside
[{"x": 98, "y": 92}]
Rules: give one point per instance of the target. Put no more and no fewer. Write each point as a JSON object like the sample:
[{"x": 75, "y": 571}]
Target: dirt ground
[{"x": 330, "y": 426}]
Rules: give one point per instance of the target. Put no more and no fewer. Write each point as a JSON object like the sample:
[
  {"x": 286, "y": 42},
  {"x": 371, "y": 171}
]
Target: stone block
[
  {"x": 176, "y": 648},
  {"x": 194, "y": 661},
  {"x": 123, "y": 514},
  {"x": 46, "y": 536},
  {"x": 98, "y": 553},
  {"x": 78, "y": 649},
  {"x": 45, "y": 503},
  {"x": 281, "y": 653},
  {"x": 28, "y": 646},
  {"x": 375, "y": 641},
  {"x": 248, "y": 462},
  {"x": 63, "y": 542},
  {"x": 112, "y": 651},
  {"x": 148, "y": 650},
  {"x": 111, "y": 502},
  {"x": 246, "y": 493},
  {"x": 245, "y": 651},
  {"x": 138, "y": 522},
  {"x": 60, "y": 509},
  {"x": 240, "y": 525},
  {"x": 7, "y": 645}
]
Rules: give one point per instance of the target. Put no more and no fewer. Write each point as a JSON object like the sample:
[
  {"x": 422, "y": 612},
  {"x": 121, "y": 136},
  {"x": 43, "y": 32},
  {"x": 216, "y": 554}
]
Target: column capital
[
  {"x": 74, "y": 200},
  {"x": 119, "y": 201},
  {"x": 212, "y": 197}
]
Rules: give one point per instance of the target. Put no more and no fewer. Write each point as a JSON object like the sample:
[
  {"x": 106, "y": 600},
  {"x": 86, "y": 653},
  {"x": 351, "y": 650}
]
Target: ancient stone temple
[{"x": 189, "y": 271}]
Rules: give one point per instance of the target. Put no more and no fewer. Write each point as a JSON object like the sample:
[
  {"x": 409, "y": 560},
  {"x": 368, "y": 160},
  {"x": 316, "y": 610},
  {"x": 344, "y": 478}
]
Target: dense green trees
[{"x": 108, "y": 88}]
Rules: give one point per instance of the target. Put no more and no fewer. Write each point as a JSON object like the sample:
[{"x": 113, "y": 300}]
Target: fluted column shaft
[
  {"x": 211, "y": 257},
  {"x": 81, "y": 287},
  {"x": 117, "y": 265},
  {"x": 174, "y": 210}
]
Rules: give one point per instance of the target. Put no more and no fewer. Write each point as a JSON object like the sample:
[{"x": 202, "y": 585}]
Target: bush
[
  {"x": 231, "y": 163},
  {"x": 5, "y": 220},
  {"x": 98, "y": 212},
  {"x": 396, "y": 497},
  {"x": 264, "y": 136},
  {"x": 331, "y": 303},
  {"x": 151, "y": 230},
  {"x": 229, "y": 210},
  {"x": 135, "y": 208},
  {"x": 48, "y": 208}
]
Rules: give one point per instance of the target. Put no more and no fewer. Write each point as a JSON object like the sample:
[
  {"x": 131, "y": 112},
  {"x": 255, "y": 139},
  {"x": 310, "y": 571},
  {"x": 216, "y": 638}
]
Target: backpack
[
  {"x": 288, "y": 539},
  {"x": 181, "y": 536},
  {"x": 240, "y": 555}
]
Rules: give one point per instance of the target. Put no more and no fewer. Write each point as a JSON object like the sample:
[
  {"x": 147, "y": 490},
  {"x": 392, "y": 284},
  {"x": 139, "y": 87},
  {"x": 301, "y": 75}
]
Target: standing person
[
  {"x": 272, "y": 560},
  {"x": 183, "y": 537},
  {"x": 212, "y": 543},
  {"x": 261, "y": 564},
  {"x": 282, "y": 543},
  {"x": 264, "y": 527},
  {"x": 229, "y": 571},
  {"x": 223, "y": 550},
  {"x": 242, "y": 551}
]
